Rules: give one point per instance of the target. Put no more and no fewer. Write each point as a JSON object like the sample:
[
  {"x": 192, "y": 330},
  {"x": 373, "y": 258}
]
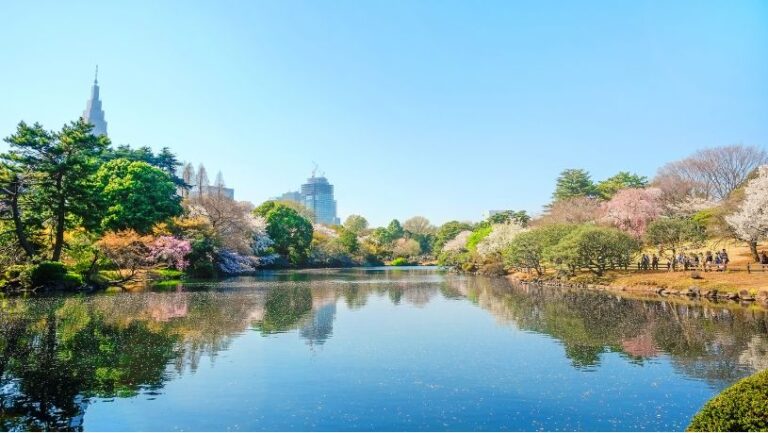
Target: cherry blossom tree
[
  {"x": 750, "y": 222},
  {"x": 170, "y": 251},
  {"x": 632, "y": 209}
]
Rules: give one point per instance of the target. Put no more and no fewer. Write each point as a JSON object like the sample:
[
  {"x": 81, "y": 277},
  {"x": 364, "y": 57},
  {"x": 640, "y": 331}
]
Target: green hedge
[
  {"x": 741, "y": 407},
  {"x": 45, "y": 275},
  {"x": 400, "y": 261}
]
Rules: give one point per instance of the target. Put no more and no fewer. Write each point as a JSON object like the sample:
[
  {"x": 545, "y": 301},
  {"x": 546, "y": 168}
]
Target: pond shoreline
[{"x": 693, "y": 294}]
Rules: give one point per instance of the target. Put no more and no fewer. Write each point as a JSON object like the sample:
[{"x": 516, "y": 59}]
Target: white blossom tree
[
  {"x": 750, "y": 222},
  {"x": 500, "y": 237},
  {"x": 458, "y": 243}
]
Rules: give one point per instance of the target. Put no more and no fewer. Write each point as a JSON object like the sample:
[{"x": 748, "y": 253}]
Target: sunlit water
[{"x": 367, "y": 350}]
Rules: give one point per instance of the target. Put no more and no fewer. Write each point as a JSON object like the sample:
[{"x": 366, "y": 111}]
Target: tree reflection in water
[{"x": 56, "y": 354}]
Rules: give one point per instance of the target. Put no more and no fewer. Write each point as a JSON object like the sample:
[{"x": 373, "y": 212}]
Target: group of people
[
  {"x": 706, "y": 261},
  {"x": 763, "y": 257}
]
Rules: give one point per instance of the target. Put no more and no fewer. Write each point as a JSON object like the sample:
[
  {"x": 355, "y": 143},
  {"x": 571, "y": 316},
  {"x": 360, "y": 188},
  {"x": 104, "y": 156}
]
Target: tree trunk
[
  {"x": 18, "y": 224},
  {"x": 753, "y": 250},
  {"x": 58, "y": 242}
]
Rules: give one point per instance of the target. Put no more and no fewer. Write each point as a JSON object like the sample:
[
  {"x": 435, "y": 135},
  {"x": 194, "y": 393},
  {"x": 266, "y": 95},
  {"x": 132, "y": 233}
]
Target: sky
[{"x": 441, "y": 108}]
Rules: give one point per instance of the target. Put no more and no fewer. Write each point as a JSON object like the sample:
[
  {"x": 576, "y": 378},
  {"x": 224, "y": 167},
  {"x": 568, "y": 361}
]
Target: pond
[{"x": 367, "y": 349}]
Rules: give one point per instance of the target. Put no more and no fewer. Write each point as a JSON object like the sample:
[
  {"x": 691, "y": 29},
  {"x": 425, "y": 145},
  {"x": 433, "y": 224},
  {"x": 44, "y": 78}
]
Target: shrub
[
  {"x": 477, "y": 236},
  {"x": 595, "y": 249},
  {"x": 15, "y": 272},
  {"x": 400, "y": 261},
  {"x": 493, "y": 269},
  {"x": 741, "y": 407},
  {"x": 47, "y": 273}
]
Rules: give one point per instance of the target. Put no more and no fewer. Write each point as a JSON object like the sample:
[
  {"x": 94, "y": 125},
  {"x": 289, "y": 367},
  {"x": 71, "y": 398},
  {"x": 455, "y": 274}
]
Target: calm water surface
[{"x": 367, "y": 350}]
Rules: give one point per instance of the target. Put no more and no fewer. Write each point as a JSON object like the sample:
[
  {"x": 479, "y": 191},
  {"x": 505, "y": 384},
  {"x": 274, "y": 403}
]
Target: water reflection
[{"x": 57, "y": 354}]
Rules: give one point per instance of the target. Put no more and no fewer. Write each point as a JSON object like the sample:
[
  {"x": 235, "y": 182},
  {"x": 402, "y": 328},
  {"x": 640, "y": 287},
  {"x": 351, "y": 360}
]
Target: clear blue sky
[{"x": 436, "y": 108}]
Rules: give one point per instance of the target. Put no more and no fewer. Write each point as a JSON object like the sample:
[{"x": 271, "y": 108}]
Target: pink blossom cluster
[{"x": 171, "y": 251}]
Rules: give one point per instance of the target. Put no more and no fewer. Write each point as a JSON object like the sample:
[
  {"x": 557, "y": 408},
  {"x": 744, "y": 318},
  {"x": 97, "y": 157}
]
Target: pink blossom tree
[
  {"x": 170, "y": 251},
  {"x": 632, "y": 209}
]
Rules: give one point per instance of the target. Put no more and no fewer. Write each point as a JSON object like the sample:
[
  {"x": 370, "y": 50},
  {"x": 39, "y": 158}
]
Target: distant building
[
  {"x": 291, "y": 196},
  {"x": 93, "y": 113},
  {"x": 212, "y": 191},
  {"x": 317, "y": 196}
]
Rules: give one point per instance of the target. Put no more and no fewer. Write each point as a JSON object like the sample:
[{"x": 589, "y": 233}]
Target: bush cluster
[{"x": 741, "y": 407}]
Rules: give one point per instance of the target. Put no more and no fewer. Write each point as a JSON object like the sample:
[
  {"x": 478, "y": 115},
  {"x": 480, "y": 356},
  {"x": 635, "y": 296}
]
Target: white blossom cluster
[
  {"x": 261, "y": 240},
  {"x": 458, "y": 243},
  {"x": 500, "y": 237},
  {"x": 750, "y": 222}
]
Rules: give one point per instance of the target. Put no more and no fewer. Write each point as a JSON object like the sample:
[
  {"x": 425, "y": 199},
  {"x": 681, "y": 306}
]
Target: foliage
[
  {"x": 356, "y": 224},
  {"x": 528, "y": 249},
  {"x": 607, "y": 188},
  {"x": 400, "y": 261},
  {"x": 290, "y": 232},
  {"x": 520, "y": 217},
  {"x": 135, "y": 195},
  {"x": 394, "y": 231},
  {"x": 47, "y": 273},
  {"x": 574, "y": 183},
  {"x": 447, "y": 232},
  {"x": 202, "y": 258},
  {"x": 348, "y": 241},
  {"x": 750, "y": 222},
  {"x": 165, "y": 160},
  {"x": 741, "y": 407},
  {"x": 671, "y": 234},
  {"x": 632, "y": 209},
  {"x": 477, "y": 236},
  {"x": 60, "y": 191},
  {"x": 595, "y": 249}
]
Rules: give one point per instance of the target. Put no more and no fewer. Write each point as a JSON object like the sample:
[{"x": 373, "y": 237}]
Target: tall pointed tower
[{"x": 93, "y": 113}]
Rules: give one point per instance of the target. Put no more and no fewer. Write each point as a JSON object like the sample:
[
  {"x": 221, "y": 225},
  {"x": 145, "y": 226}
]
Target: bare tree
[
  {"x": 710, "y": 173},
  {"x": 201, "y": 180},
  {"x": 188, "y": 176},
  {"x": 419, "y": 225},
  {"x": 231, "y": 221},
  {"x": 219, "y": 183},
  {"x": 574, "y": 210}
]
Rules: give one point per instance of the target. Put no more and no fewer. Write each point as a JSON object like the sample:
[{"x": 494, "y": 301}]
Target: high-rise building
[
  {"x": 317, "y": 196},
  {"x": 93, "y": 113}
]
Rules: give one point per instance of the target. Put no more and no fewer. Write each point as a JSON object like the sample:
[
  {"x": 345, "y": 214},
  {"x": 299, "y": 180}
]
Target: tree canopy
[{"x": 136, "y": 195}]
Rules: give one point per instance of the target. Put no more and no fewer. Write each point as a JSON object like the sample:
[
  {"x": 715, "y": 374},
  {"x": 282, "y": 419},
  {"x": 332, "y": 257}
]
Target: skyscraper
[
  {"x": 93, "y": 113},
  {"x": 318, "y": 197}
]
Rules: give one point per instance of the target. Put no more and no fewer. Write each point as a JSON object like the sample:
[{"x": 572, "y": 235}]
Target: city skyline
[{"x": 439, "y": 119}]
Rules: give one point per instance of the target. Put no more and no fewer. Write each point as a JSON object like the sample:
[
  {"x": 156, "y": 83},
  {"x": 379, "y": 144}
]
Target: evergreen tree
[{"x": 574, "y": 183}]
